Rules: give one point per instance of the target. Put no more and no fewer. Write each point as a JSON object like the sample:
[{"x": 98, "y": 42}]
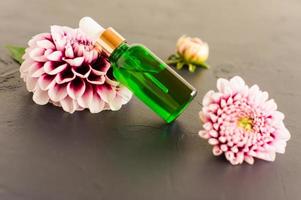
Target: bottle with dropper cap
[{"x": 140, "y": 70}]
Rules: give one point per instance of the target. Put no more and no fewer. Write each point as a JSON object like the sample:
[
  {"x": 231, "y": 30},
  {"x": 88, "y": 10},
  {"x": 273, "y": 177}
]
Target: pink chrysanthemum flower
[
  {"x": 242, "y": 123},
  {"x": 63, "y": 68}
]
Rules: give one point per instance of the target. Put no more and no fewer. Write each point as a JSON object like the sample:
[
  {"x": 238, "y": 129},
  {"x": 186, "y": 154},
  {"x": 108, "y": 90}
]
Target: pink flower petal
[
  {"x": 106, "y": 107},
  {"x": 36, "y": 70},
  {"x": 69, "y": 51},
  {"x": 85, "y": 100},
  {"x": 284, "y": 134},
  {"x": 213, "y": 141},
  {"x": 96, "y": 105},
  {"x": 230, "y": 156},
  {"x": 53, "y": 68},
  {"x": 207, "y": 126},
  {"x": 59, "y": 37},
  {"x": 270, "y": 105},
  {"x": 57, "y": 92},
  {"x": 213, "y": 133},
  {"x": 48, "y": 52},
  {"x": 202, "y": 116},
  {"x": 79, "y": 49},
  {"x": 76, "y": 88},
  {"x": 40, "y": 97},
  {"x": 100, "y": 66},
  {"x": 207, "y": 98},
  {"x": 203, "y": 134},
  {"x": 111, "y": 81},
  {"x": 41, "y": 36},
  {"x": 95, "y": 79},
  {"x": 82, "y": 71},
  {"x": 68, "y": 104},
  {"x": 124, "y": 94},
  {"x": 240, "y": 157},
  {"x": 65, "y": 76},
  {"x": 116, "y": 103},
  {"x": 31, "y": 83},
  {"x": 253, "y": 91},
  {"x": 46, "y": 44},
  {"x": 37, "y": 54},
  {"x": 223, "y": 86},
  {"x": 249, "y": 160},
  {"x": 237, "y": 83},
  {"x": 280, "y": 146},
  {"x": 26, "y": 65},
  {"x": 268, "y": 156},
  {"x": 46, "y": 81},
  {"x": 75, "y": 61},
  {"x": 213, "y": 117},
  {"x": 216, "y": 151},
  {"x": 55, "y": 56},
  {"x": 106, "y": 92},
  {"x": 90, "y": 56}
]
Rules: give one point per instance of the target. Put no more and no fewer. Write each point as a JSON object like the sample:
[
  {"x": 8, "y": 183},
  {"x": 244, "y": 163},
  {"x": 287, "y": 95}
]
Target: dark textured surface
[{"x": 51, "y": 155}]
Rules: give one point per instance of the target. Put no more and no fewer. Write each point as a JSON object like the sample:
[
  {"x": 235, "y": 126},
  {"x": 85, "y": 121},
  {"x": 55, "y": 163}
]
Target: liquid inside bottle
[{"x": 151, "y": 80}]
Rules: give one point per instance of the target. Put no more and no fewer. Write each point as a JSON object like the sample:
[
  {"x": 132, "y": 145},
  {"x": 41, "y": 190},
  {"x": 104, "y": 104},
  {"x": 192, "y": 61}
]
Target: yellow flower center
[{"x": 245, "y": 123}]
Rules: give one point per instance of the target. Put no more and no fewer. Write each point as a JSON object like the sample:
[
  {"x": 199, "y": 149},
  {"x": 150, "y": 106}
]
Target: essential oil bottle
[{"x": 151, "y": 80}]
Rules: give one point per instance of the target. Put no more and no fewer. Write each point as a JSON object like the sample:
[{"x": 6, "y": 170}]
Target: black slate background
[{"x": 131, "y": 154}]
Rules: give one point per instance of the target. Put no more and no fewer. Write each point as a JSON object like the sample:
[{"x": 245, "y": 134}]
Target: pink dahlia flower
[
  {"x": 241, "y": 123},
  {"x": 63, "y": 68}
]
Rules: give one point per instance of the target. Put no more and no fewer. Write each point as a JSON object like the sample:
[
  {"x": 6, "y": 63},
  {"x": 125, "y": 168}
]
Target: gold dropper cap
[{"x": 109, "y": 40}]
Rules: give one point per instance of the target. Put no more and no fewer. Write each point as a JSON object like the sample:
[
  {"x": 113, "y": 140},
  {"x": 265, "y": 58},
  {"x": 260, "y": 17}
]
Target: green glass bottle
[{"x": 141, "y": 71}]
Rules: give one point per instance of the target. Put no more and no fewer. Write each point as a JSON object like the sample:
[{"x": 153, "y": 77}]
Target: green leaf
[
  {"x": 16, "y": 52},
  {"x": 191, "y": 67},
  {"x": 171, "y": 62},
  {"x": 179, "y": 62},
  {"x": 180, "y": 65},
  {"x": 173, "y": 59},
  {"x": 204, "y": 65}
]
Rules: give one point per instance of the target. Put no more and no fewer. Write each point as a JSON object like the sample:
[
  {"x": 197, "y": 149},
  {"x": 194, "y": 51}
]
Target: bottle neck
[
  {"x": 115, "y": 55},
  {"x": 109, "y": 40}
]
